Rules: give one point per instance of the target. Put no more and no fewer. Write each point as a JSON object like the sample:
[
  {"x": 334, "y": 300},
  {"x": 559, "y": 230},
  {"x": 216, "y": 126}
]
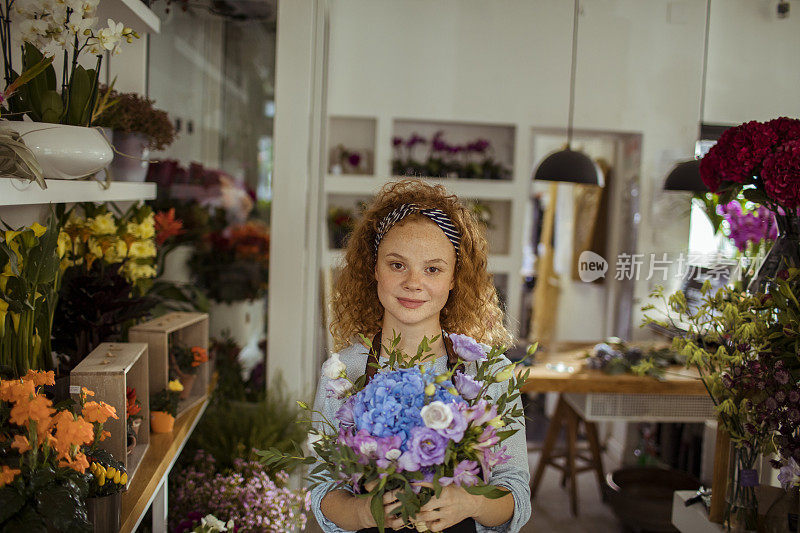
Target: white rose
[
  {"x": 333, "y": 367},
  {"x": 436, "y": 415},
  {"x": 393, "y": 454},
  {"x": 368, "y": 448}
]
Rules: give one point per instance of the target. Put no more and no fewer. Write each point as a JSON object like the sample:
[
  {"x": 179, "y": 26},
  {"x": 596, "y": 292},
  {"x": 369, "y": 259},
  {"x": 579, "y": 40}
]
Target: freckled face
[{"x": 414, "y": 270}]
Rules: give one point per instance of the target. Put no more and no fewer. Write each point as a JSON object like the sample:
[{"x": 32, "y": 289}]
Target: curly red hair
[{"x": 472, "y": 309}]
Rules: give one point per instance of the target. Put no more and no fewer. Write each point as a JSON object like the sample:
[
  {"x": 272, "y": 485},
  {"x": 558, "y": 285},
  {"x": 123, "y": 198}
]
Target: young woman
[{"x": 415, "y": 265}]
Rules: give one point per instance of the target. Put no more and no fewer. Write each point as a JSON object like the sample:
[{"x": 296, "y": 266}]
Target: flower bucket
[
  {"x": 161, "y": 422},
  {"x": 244, "y": 320},
  {"x": 134, "y": 167},
  {"x": 104, "y": 512},
  {"x": 176, "y": 264},
  {"x": 64, "y": 152}
]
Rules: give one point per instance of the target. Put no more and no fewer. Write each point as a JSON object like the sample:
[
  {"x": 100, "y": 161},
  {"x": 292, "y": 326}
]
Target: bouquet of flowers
[
  {"x": 410, "y": 427},
  {"x": 233, "y": 264}
]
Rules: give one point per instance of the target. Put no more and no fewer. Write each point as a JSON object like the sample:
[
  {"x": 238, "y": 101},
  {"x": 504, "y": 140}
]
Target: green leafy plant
[
  {"x": 28, "y": 286},
  {"x": 234, "y": 430},
  {"x": 49, "y": 29},
  {"x": 167, "y": 400},
  {"x": 134, "y": 113}
]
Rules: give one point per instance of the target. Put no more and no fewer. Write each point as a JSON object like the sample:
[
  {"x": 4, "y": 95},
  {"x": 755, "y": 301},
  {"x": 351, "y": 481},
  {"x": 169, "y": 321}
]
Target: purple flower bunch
[
  {"x": 411, "y": 425},
  {"x": 247, "y": 494},
  {"x": 748, "y": 227}
]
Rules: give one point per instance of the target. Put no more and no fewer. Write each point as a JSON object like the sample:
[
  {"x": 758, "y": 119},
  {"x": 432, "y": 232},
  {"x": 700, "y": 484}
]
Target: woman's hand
[
  {"x": 390, "y": 502},
  {"x": 453, "y": 505}
]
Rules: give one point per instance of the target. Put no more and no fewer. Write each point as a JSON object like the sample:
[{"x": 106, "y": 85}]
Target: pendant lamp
[
  {"x": 685, "y": 176},
  {"x": 568, "y": 165}
]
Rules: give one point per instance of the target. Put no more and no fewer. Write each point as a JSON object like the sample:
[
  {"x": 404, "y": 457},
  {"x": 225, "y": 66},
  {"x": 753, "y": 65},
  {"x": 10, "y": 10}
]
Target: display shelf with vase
[
  {"x": 190, "y": 329},
  {"x": 109, "y": 370},
  {"x": 161, "y": 422}
]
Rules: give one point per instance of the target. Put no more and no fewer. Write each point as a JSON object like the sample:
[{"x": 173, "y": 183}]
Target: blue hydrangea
[{"x": 390, "y": 404}]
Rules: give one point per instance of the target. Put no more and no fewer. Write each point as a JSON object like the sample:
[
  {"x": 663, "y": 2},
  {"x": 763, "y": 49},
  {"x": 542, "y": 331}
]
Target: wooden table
[
  {"x": 149, "y": 485},
  {"x": 545, "y": 378}
]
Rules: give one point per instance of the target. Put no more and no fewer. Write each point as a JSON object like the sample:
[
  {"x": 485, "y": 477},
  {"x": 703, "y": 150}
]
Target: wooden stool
[{"x": 567, "y": 417}]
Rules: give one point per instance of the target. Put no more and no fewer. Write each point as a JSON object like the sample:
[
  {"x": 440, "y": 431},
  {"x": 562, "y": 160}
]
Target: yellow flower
[
  {"x": 134, "y": 271},
  {"x": 38, "y": 229},
  {"x": 142, "y": 249},
  {"x": 116, "y": 252},
  {"x": 13, "y": 243},
  {"x": 64, "y": 243},
  {"x": 94, "y": 247},
  {"x": 175, "y": 385},
  {"x": 3, "y": 312},
  {"x": 497, "y": 422},
  {"x": 103, "y": 225},
  {"x": 145, "y": 230},
  {"x": 430, "y": 389}
]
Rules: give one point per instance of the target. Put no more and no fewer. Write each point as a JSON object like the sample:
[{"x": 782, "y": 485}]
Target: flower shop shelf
[
  {"x": 468, "y": 189},
  {"x": 134, "y": 13},
  {"x": 108, "y": 371},
  {"x": 15, "y": 191},
  {"x": 149, "y": 487},
  {"x": 190, "y": 329}
]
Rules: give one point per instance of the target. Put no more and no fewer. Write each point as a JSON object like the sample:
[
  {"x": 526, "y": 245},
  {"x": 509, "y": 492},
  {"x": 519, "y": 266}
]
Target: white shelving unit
[
  {"x": 15, "y": 191},
  {"x": 134, "y": 13},
  {"x": 508, "y": 197}
]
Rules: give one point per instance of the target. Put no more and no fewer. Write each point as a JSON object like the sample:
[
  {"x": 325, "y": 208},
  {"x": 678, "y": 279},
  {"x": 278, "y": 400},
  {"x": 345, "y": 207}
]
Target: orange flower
[
  {"x": 7, "y": 475},
  {"x": 14, "y": 390},
  {"x": 21, "y": 444},
  {"x": 167, "y": 226},
  {"x": 200, "y": 356},
  {"x": 40, "y": 377},
  {"x": 79, "y": 463},
  {"x": 104, "y": 435},
  {"x": 36, "y": 409},
  {"x": 86, "y": 392},
  {"x": 98, "y": 412},
  {"x": 72, "y": 432}
]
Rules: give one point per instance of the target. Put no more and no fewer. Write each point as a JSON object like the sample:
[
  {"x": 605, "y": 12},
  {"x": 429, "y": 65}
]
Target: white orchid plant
[{"x": 46, "y": 28}]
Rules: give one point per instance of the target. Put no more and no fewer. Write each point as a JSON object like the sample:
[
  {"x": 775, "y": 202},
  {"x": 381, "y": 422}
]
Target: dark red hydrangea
[
  {"x": 781, "y": 174},
  {"x": 787, "y": 129},
  {"x": 738, "y": 154}
]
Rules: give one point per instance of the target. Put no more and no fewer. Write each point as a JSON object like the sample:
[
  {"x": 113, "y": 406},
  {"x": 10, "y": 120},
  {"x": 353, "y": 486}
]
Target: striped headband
[{"x": 438, "y": 216}]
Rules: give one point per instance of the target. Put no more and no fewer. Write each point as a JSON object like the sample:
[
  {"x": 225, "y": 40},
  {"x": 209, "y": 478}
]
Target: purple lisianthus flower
[
  {"x": 408, "y": 462},
  {"x": 365, "y": 445},
  {"x": 794, "y": 396},
  {"x": 481, "y": 412},
  {"x": 345, "y": 413},
  {"x": 455, "y": 431},
  {"x": 494, "y": 457},
  {"x": 488, "y": 438},
  {"x": 464, "y": 475},
  {"x": 466, "y": 386},
  {"x": 467, "y": 348},
  {"x": 427, "y": 446},
  {"x": 388, "y": 450}
]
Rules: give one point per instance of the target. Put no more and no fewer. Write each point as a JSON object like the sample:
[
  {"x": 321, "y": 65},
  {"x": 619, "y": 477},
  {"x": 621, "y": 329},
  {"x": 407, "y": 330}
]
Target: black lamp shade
[
  {"x": 569, "y": 166},
  {"x": 685, "y": 177}
]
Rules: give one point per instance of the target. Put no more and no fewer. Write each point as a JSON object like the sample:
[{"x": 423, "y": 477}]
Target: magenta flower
[{"x": 354, "y": 159}]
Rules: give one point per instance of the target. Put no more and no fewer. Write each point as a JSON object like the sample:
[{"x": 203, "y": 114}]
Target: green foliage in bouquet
[{"x": 28, "y": 286}]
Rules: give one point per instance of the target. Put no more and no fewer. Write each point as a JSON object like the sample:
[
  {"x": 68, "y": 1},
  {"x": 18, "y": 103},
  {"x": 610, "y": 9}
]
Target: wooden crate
[
  {"x": 190, "y": 329},
  {"x": 107, "y": 371}
]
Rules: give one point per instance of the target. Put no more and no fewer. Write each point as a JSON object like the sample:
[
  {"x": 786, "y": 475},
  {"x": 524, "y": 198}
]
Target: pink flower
[{"x": 464, "y": 475}]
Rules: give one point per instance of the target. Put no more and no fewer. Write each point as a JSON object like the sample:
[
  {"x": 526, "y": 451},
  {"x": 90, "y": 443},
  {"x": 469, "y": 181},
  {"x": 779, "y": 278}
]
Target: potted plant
[
  {"x": 232, "y": 266},
  {"x": 29, "y": 263},
  {"x": 108, "y": 266},
  {"x": 185, "y": 361},
  {"x": 340, "y": 225},
  {"x": 108, "y": 480},
  {"x": 164, "y": 407},
  {"x": 133, "y": 420},
  {"x": 73, "y": 33},
  {"x": 138, "y": 127},
  {"x": 44, "y": 456}
]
